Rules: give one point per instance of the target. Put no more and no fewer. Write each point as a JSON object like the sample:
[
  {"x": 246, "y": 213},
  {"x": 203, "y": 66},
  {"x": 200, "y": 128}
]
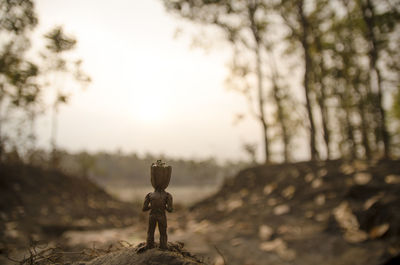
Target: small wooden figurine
[{"x": 158, "y": 202}]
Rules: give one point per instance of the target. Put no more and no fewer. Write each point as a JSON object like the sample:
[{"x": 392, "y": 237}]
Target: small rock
[
  {"x": 360, "y": 165},
  {"x": 279, "y": 246},
  {"x": 202, "y": 226},
  {"x": 322, "y": 172},
  {"x": 272, "y": 202},
  {"x": 221, "y": 206},
  {"x": 316, "y": 183},
  {"x": 234, "y": 204},
  {"x": 309, "y": 214},
  {"x": 268, "y": 189},
  {"x": 309, "y": 177},
  {"x": 265, "y": 232},
  {"x": 272, "y": 245},
  {"x": 11, "y": 230},
  {"x": 288, "y": 192},
  {"x": 355, "y": 236},
  {"x": 348, "y": 221},
  {"x": 320, "y": 199},
  {"x": 392, "y": 179},
  {"x": 281, "y": 209},
  {"x": 347, "y": 169},
  {"x": 322, "y": 217},
  {"x": 236, "y": 242},
  {"x": 244, "y": 192},
  {"x": 218, "y": 260},
  {"x": 362, "y": 178}
]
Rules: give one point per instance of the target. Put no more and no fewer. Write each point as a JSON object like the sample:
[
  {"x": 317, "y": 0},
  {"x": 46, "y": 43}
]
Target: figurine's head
[{"x": 160, "y": 175}]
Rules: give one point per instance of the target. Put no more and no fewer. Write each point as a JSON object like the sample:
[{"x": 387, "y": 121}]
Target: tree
[
  {"x": 256, "y": 30},
  {"x": 246, "y": 28},
  {"x": 320, "y": 15},
  {"x": 57, "y": 66},
  {"x": 297, "y": 21},
  {"x": 377, "y": 28},
  {"x": 22, "y": 91},
  {"x": 365, "y": 82},
  {"x": 251, "y": 150},
  {"x": 18, "y": 87},
  {"x": 350, "y": 61},
  {"x": 352, "y": 93},
  {"x": 86, "y": 163}
]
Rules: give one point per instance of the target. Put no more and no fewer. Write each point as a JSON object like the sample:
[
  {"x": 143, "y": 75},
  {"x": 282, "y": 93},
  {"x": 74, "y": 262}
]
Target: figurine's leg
[
  {"x": 150, "y": 231},
  {"x": 162, "y": 228}
]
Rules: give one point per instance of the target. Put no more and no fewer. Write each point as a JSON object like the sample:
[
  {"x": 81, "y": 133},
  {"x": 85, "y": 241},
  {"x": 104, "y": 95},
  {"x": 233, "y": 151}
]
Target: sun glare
[
  {"x": 150, "y": 112},
  {"x": 150, "y": 109}
]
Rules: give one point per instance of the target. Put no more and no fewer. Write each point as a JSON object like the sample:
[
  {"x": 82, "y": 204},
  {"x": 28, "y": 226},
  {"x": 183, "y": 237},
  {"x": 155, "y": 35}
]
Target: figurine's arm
[
  {"x": 146, "y": 205},
  {"x": 169, "y": 202}
]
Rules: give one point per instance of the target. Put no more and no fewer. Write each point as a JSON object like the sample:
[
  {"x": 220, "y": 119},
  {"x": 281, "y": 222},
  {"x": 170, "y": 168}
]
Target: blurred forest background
[
  {"x": 348, "y": 59},
  {"x": 37, "y": 81},
  {"x": 320, "y": 78},
  {"x": 329, "y": 69}
]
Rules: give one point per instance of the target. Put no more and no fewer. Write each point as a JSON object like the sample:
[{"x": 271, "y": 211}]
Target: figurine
[{"x": 157, "y": 202}]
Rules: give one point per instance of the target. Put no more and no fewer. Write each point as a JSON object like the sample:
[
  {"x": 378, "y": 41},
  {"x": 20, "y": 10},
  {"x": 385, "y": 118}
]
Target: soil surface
[
  {"x": 175, "y": 255},
  {"x": 38, "y": 205},
  {"x": 334, "y": 212}
]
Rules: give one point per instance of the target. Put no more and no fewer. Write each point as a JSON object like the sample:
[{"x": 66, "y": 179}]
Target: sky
[{"x": 150, "y": 92}]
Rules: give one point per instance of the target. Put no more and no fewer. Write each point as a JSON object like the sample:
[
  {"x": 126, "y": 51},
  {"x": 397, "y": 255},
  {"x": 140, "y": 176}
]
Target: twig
[{"x": 222, "y": 255}]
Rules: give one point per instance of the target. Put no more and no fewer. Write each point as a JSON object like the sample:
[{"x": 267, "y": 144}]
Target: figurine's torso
[{"x": 158, "y": 202}]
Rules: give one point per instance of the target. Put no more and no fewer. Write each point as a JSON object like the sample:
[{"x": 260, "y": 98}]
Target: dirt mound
[
  {"x": 175, "y": 255},
  {"x": 334, "y": 212},
  {"x": 120, "y": 253},
  {"x": 37, "y": 203}
]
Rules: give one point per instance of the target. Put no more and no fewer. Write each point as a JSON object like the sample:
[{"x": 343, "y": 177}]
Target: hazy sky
[{"x": 150, "y": 92}]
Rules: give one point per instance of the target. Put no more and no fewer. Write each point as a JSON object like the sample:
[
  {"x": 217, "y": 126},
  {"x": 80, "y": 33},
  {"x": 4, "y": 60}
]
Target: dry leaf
[{"x": 379, "y": 230}]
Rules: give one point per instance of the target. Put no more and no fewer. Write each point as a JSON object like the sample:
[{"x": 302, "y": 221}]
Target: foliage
[
  {"x": 117, "y": 169},
  {"x": 347, "y": 51},
  {"x": 253, "y": 70},
  {"x": 396, "y": 104},
  {"x": 23, "y": 80},
  {"x": 57, "y": 67},
  {"x": 18, "y": 86}
]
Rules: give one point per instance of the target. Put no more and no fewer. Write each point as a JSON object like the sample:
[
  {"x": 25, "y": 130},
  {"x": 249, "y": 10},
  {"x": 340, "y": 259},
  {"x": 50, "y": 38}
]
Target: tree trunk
[
  {"x": 383, "y": 128},
  {"x": 350, "y": 136},
  {"x": 261, "y": 106},
  {"x": 322, "y": 100},
  {"x": 279, "y": 106},
  {"x": 364, "y": 125},
  {"x": 306, "y": 80},
  {"x": 362, "y": 103},
  {"x": 252, "y": 7},
  {"x": 324, "y": 120},
  {"x": 53, "y": 136},
  {"x": 1, "y": 132},
  {"x": 368, "y": 14},
  {"x": 349, "y": 128},
  {"x": 281, "y": 121},
  {"x": 364, "y": 132}
]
